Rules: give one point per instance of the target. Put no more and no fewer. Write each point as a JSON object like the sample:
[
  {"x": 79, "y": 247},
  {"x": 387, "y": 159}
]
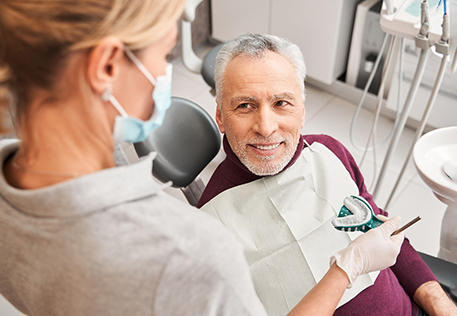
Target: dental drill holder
[{"x": 356, "y": 214}]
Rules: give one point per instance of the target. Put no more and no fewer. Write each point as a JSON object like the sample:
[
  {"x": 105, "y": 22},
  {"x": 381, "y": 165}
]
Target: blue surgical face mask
[{"x": 131, "y": 129}]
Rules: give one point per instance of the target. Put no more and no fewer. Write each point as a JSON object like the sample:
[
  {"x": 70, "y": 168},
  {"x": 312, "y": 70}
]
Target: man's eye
[
  {"x": 281, "y": 103},
  {"x": 244, "y": 106}
]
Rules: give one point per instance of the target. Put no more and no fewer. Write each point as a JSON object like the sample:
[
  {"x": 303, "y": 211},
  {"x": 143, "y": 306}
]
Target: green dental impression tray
[{"x": 356, "y": 214}]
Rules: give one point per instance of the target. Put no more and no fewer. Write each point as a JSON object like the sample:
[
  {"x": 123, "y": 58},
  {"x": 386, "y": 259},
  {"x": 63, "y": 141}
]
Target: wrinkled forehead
[{"x": 269, "y": 77}]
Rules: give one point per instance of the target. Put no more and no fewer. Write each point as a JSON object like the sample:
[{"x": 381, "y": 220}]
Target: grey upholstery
[
  {"x": 445, "y": 272},
  {"x": 208, "y": 66},
  {"x": 186, "y": 142}
]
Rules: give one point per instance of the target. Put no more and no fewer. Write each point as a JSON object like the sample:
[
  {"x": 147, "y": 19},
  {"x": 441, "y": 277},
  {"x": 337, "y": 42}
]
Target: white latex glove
[{"x": 375, "y": 250}]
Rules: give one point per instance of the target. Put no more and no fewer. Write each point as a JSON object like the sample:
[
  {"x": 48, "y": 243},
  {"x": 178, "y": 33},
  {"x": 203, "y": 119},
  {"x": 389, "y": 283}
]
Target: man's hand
[{"x": 433, "y": 300}]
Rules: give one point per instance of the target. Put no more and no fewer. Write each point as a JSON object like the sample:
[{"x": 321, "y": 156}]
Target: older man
[{"x": 278, "y": 190}]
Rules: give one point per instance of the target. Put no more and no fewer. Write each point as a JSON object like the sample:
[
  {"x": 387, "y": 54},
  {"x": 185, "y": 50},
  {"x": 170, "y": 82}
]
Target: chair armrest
[
  {"x": 445, "y": 272},
  {"x": 194, "y": 191}
]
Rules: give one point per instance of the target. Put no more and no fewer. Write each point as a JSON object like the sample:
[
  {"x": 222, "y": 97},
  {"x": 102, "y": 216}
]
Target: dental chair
[
  {"x": 445, "y": 272},
  {"x": 185, "y": 144}
]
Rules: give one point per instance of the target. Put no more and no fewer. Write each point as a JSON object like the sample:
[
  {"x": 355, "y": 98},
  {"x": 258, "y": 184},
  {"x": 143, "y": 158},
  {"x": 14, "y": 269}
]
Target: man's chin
[
  {"x": 264, "y": 167},
  {"x": 262, "y": 173}
]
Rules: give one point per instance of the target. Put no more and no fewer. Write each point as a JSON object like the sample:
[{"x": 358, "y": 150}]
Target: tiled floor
[{"x": 329, "y": 114}]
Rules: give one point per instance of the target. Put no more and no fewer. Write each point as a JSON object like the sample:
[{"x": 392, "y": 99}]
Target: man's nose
[{"x": 266, "y": 122}]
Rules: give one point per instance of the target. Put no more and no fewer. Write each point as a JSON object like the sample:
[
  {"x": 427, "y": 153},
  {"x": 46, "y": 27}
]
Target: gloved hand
[{"x": 375, "y": 250}]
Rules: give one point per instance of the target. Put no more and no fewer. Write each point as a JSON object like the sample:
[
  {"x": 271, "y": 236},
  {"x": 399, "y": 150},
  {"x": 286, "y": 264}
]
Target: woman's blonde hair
[{"x": 36, "y": 36}]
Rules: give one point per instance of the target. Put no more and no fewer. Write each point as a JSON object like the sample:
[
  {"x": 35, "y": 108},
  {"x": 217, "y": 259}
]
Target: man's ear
[
  {"x": 303, "y": 117},
  {"x": 104, "y": 63},
  {"x": 219, "y": 119}
]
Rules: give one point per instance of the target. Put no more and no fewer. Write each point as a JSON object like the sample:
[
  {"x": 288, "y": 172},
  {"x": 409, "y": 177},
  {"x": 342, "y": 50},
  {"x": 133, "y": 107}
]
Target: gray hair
[{"x": 255, "y": 46}]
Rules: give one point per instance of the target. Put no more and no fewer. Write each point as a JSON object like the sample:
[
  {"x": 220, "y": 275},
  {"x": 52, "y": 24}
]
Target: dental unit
[
  {"x": 418, "y": 20},
  {"x": 432, "y": 27}
]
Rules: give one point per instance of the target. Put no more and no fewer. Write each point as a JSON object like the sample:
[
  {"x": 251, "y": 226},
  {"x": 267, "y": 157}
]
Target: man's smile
[{"x": 265, "y": 146}]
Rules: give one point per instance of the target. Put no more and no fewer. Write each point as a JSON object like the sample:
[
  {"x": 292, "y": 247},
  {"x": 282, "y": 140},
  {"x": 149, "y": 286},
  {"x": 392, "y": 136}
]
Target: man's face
[{"x": 262, "y": 112}]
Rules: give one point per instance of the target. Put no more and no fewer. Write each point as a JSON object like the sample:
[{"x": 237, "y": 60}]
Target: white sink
[{"x": 435, "y": 156}]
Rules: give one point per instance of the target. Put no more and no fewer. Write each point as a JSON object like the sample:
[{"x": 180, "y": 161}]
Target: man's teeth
[{"x": 270, "y": 147}]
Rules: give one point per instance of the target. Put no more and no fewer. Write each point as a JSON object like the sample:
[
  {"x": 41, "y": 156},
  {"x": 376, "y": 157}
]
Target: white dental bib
[{"x": 284, "y": 223}]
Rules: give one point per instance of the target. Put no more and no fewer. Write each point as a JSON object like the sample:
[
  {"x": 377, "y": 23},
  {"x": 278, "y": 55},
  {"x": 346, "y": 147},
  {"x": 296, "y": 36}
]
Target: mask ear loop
[
  {"x": 140, "y": 65},
  {"x": 108, "y": 96}
]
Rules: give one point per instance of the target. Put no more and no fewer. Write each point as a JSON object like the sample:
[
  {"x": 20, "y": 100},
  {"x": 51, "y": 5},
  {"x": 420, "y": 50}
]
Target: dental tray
[{"x": 356, "y": 214}]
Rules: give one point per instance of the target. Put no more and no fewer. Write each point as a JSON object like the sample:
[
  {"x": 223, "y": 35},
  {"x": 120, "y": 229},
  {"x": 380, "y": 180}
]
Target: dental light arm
[
  {"x": 189, "y": 58},
  {"x": 389, "y": 6}
]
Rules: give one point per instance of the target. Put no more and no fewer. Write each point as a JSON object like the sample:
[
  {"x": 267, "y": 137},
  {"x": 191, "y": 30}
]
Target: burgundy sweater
[{"x": 393, "y": 290}]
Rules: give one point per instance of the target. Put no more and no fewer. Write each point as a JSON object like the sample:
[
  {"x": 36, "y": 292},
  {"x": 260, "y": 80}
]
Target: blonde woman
[{"x": 78, "y": 235}]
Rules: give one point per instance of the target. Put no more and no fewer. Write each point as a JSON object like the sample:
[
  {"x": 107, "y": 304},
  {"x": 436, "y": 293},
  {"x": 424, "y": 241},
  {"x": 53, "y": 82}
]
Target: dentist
[{"x": 82, "y": 236}]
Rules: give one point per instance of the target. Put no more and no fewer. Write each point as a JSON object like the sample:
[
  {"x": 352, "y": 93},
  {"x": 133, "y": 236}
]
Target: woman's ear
[{"x": 104, "y": 62}]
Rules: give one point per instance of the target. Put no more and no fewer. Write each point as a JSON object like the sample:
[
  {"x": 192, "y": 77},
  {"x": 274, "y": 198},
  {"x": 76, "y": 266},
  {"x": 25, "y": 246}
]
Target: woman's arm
[
  {"x": 373, "y": 251},
  {"x": 324, "y": 297}
]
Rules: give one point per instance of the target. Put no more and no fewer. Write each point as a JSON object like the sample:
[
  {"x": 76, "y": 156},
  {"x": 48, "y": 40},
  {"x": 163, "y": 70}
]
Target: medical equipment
[
  {"x": 450, "y": 169},
  {"x": 434, "y": 156},
  {"x": 409, "y": 224},
  {"x": 185, "y": 144},
  {"x": 442, "y": 47},
  {"x": 356, "y": 214},
  {"x": 408, "y": 19},
  {"x": 204, "y": 66}
]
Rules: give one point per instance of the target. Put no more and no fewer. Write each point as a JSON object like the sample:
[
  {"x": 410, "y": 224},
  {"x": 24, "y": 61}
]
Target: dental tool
[
  {"x": 356, "y": 214},
  {"x": 409, "y": 224}
]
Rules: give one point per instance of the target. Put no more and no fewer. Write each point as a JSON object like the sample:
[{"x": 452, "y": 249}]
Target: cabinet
[{"x": 322, "y": 29}]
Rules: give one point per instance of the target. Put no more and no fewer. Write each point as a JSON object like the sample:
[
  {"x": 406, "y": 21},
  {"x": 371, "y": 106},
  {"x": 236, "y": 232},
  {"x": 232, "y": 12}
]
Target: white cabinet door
[
  {"x": 322, "y": 29},
  {"x": 231, "y": 18}
]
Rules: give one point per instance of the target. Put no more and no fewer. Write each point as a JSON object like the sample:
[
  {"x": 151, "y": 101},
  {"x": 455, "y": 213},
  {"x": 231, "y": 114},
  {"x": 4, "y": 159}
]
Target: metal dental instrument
[{"x": 410, "y": 223}]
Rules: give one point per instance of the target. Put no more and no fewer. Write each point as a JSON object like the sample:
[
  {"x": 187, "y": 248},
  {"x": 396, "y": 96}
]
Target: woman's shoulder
[
  {"x": 183, "y": 225},
  {"x": 213, "y": 261}
]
